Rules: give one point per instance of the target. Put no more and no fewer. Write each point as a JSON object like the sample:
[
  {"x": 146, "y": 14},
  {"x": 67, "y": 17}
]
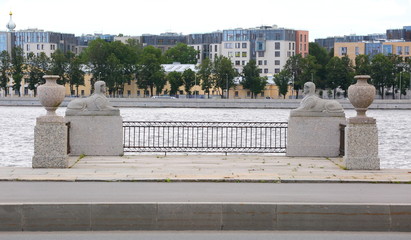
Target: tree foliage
[
  {"x": 188, "y": 80},
  {"x": 38, "y": 66},
  {"x": 205, "y": 70},
  {"x": 4, "y": 70},
  {"x": 148, "y": 68},
  {"x": 282, "y": 81},
  {"x": 381, "y": 73},
  {"x": 224, "y": 73},
  {"x": 17, "y": 62},
  {"x": 175, "y": 80},
  {"x": 181, "y": 53},
  {"x": 252, "y": 80}
]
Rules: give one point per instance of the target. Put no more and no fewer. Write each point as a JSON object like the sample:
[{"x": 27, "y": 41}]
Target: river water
[{"x": 17, "y": 128}]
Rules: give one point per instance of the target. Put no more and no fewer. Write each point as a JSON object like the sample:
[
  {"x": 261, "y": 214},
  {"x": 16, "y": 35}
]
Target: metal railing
[{"x": 225, "y": 137}]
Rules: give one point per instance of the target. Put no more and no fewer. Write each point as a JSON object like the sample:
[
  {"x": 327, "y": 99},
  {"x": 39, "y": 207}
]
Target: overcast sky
[{"x": 323, "y": 18}]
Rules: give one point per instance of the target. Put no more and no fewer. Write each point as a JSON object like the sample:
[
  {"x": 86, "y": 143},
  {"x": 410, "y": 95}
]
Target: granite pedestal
[
  {"x": 314, "y": 136},
  {"x": 361, "y": 144},
  {"x": 96, "y": 135},
  {"x": 50, "y": 143}
]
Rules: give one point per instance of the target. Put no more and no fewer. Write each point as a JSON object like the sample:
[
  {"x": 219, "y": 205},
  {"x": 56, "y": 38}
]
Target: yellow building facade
[{"x": 132, "y": 91}]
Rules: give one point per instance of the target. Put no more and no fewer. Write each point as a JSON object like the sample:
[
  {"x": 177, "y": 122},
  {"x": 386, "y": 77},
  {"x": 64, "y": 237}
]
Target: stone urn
[
  {"x": 51, "y": 94},
  {"x": 361, "y": 95}
]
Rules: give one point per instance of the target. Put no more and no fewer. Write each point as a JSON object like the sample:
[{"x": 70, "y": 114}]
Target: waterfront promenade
[{"x": 204, "y": 192}]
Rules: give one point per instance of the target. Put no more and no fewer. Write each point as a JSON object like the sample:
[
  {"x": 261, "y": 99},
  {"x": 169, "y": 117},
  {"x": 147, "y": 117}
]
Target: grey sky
[{"x": 322, "y": 18}]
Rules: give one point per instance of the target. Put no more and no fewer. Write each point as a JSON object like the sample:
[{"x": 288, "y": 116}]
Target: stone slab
[
  {"x": 10, "y": 217},
  {"x": 314, "y": 136},
  {"x": 50, "y": 144},
  {"x": 190, "y": 216},
  {"x": 320, "y": 217},
  {"x": 123, "y": 216},
  {"x": 56, "y": 217},
  {"x": 249, "y": 217},
  {"x": 361, "y": 146},
  {"x": 96, "y": 135}
]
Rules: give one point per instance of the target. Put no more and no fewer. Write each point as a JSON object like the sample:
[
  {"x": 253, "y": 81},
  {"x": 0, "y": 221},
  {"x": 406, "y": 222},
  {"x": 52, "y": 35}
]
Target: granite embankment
[{"x": 211, "y": 103}]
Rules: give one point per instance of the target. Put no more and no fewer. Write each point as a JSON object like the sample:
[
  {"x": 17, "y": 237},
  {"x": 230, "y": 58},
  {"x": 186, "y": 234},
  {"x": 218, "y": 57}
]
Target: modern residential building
[
  {"x": 399, "y": 34},
  {"x": 354, "y": 49},
  {"x": 163, "y": 41},
  {"x": 329, "y": 42},
  {"x": 269, "y": 46},
  {"x": 208, "y": 45}
]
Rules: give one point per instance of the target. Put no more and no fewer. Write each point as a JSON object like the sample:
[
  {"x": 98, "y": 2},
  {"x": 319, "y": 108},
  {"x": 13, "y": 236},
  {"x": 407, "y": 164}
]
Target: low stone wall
[{"x": 210, "y": 103}]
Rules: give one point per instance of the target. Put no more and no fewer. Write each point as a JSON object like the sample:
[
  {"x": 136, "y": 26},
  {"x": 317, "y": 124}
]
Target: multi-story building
[
  {"x": 269, "y": 46},
  {"x": 163, "y": 41},
  {"x": 329, "y": 42},
  {"x": 399, "y": 34},
  {"x": 208, "y": 45},
  {"x": 352, "y": 50}
]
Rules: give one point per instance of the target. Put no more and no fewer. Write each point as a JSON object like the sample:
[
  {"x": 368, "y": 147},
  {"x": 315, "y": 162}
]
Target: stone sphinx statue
[
  {"x": 95, "y": 105},
  {"x": 311, "y": 105}
]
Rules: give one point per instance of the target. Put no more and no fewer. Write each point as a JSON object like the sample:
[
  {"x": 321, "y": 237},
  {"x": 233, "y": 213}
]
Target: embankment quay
[{"x": 211, "y": 103}]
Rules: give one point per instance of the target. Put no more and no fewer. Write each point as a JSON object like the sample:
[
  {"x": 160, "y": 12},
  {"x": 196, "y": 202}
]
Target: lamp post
[
  {"x": 400, "y": 84},
  {"x": 227, "y": 86}
]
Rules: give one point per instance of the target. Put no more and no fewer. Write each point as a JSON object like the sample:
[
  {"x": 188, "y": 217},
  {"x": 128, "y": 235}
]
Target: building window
[
  {"x": 289, "y": 46},
  {"x": 357, "y": 51},
  {"x": 215, "y": 48},
  {"x": 138, "y": 92},
  {"x": 288, "y": 54},
  {"x": 277, "y": 54},
  {"x": 28, "y": 47},
  {"x": 237, "y": 62},
  {"x": 260, "y": 54},
  {"x": 265, "y": 70},
  {"x": 277, "y": 70},
  {"x": 236, "y": 94},
  {"x": 244, "y": 45},
  {"x": 38, "y": 46},
  {"x": 260, "y": 70},
  {"x": 228, "y": 45},
  {"x": 237, "y": 45},
  {"x": 237, "y": 54},
  {"x": 244, "y": 54},
  {"x": 293, "y": 46},
  {"x": 230, "y": 54},
  {"x": 128, "y": 93},
  {"x": 260, "y": 62},
  {"x": 211, "y": 56},
  {"x": 277, "y": 45},
  {"x": 215, "y": 55},
  {"x": 399, "y": 50},
  {"x": 343, "y": 51},
  {"x": 277, "y": 62},
  {"x": 265, "y": 62},
  {"x": 407, "y": 50}
]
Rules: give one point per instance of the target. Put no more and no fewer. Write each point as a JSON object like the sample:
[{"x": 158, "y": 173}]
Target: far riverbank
[{"x": 211, "y": 103}]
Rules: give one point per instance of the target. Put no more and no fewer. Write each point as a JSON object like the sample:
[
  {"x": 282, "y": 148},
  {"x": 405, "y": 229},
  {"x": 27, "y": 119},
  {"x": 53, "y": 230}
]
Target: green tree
[
  {"x": 4, "y": 70},
  {"x": 148, "y": 68},
  {"x": 188, "y": 80},
  {"x": 362, "y": 65},
  {"x": 224, "y": 74},
  {"x": 205, "y": 70},
  {"x": 252, "y": 80},
  {"x": 17, "y": 61},
  {"x": 322, "y": 58},
  {"x": 339, "y": 74},
  {"x": 38, "y": 66},
  {"x": 75, "y": 74},
  {"x": 160, "y": 81},
  {"x": 181, "y": 53},
  {"x": 294, "y": 66},
  {"x": 175, "y": 81},
  {"x": 282, "y": 80},
  {"x": 381, "y": 73},
  {"x": 59, "y": 65}
]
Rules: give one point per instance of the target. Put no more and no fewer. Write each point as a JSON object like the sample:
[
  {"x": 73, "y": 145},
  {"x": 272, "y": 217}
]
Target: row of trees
[
  {"x": 117, "y": 64},
  {"x": 388, "y": 73},
  {"x": 68, "y": 66}
]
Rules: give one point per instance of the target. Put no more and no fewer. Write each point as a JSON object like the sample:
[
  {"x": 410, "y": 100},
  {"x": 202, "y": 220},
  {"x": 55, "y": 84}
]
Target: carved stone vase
[
  {"x": 51, "y": 94},
  {"x": 361, "y": 95}
]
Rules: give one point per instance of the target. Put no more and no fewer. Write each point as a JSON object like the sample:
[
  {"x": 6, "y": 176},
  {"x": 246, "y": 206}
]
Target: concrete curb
[{"x": 204, "y": 216}]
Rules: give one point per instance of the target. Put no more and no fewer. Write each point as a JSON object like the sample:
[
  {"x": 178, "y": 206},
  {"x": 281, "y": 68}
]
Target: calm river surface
[{"x": 17, "y": 128}]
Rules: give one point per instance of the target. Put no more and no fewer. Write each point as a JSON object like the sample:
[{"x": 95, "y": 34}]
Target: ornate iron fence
[{"x": 228, "y": 137}]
